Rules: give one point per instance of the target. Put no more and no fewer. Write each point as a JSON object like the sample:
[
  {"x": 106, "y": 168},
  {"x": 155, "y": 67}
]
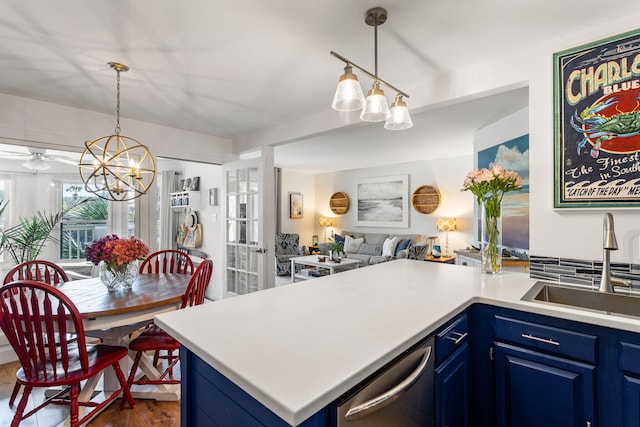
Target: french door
[{"x": 250, "y": 227}]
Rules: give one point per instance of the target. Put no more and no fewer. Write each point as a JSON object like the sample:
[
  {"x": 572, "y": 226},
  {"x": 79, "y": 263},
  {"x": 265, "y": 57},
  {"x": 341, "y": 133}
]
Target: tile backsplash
[{"x": 580, "y": 272}]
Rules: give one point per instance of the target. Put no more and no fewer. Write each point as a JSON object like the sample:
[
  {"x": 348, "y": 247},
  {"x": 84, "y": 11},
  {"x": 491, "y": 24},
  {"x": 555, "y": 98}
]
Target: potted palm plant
[{"x": 25, "y": 241}]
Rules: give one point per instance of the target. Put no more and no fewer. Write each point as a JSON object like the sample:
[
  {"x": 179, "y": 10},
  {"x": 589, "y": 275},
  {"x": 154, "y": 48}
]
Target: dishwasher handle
[{"x": 392, "y": 394}]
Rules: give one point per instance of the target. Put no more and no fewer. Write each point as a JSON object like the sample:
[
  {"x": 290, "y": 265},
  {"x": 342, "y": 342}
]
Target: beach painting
[
  {"x": 512, "y": 155},
  {"x": 383, "y": 202}
]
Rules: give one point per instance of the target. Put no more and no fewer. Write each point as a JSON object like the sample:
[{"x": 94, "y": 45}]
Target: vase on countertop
[{"x": 491, "y": 228}]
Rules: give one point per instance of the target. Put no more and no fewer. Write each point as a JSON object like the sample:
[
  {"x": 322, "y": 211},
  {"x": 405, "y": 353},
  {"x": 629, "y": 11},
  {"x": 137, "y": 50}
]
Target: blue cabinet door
[
  {"x": 631, "y": 404},
  {"x": 534, "y": 389},
  {"x": 452, "y": 390}
]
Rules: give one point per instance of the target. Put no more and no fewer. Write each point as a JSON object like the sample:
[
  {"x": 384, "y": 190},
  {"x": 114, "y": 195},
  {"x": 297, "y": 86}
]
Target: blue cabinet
[
  {"x": 452, "y": 374},
  {"x": 536, "y": 389},
  {"x": 452, "y": 390},
  {"x": 210, "y": 399}
]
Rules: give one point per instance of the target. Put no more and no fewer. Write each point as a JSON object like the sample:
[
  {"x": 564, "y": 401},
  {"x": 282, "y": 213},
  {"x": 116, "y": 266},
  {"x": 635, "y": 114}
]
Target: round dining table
[{"x": 113, "y": 316}]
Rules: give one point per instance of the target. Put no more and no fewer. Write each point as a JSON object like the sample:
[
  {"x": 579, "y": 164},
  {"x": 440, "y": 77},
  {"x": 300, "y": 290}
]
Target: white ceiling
[{"x": 234, "y": 67}]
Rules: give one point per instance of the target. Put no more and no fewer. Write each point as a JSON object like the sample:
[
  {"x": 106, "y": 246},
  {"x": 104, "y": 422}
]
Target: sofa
[{"x": 374, "y": 248}]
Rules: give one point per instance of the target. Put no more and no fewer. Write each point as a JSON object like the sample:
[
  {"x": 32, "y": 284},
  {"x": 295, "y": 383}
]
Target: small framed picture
[
  {"x": 195, "y": 183},
  {"x": 295, "y": 205},
  {"x": 187, "y": 184},
  {"x": 181, "y": 185}
]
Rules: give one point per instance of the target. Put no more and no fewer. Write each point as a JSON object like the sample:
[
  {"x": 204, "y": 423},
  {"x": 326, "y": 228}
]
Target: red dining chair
[
  {"x": 155, "y": 339},
  {"x": 38, "y": 270},
  {"x": 36, "y": 319},
  {"x": 167, "y": 261}
]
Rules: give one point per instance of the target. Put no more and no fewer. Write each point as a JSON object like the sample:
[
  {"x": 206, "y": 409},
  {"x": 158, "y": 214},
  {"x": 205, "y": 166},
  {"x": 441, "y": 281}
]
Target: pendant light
[
  {"x": 399, "y": 117},
  {"x": 116, "y": 167},
  {"x": 348, "y": 96}
]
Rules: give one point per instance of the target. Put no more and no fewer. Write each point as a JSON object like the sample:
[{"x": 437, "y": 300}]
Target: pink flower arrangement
[
  {"x": 115, "y": 251},
  {"x": 491, "y": 183}
]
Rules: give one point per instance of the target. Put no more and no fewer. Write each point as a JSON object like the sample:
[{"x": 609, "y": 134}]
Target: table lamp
[
  {"x": 446, "y": 225},
  {"x": 325, "y": 222}
]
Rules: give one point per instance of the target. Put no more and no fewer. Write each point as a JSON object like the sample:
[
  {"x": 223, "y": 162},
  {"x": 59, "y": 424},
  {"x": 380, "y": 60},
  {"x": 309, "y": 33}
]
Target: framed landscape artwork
[
  {"x": 512, "y": 155},
  {"x": 597, "y": 124},
  {"x": 383, "y": 202},
  {"x": 295, "y": 205}
]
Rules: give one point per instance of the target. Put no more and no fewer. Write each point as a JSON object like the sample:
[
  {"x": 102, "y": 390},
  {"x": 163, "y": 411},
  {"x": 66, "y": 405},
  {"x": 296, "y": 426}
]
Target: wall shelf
[
  {"x": 182, "y": 200},
  {"x": 425, "y": 199},
  {"x": 339, "y": 203}
]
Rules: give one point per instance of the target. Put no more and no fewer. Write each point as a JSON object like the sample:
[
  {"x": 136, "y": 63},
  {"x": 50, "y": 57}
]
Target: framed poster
[
  {"x": 295, "y": 205},
  {"x": 597, "y": 124},
  {"x": 512, "y": 155},
  {"x": 383, "y": 202}
]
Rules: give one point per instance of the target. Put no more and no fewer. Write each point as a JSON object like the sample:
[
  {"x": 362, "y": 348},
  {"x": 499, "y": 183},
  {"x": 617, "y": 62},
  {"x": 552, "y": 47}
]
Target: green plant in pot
[
  {"x": 24, "y": 241},
  {"x": 335, "y": 249}
]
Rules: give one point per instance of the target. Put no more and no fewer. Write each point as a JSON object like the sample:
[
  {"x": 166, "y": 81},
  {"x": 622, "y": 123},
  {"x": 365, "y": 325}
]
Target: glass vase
[
  {"x": 119, "y": 277},
  {"x": 491, "y": 235}
]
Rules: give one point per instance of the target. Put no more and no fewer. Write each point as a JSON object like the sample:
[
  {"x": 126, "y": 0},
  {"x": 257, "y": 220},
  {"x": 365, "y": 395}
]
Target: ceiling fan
[{"x": 36, "y": 159}]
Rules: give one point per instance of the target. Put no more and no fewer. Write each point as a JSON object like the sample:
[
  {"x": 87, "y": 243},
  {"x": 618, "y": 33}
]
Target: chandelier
[
  {"x": 349, "y": 95},
  {"x": 116, "y": 167}
]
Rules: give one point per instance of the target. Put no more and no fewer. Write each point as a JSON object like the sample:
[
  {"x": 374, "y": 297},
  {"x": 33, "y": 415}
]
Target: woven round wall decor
[
  {"x": 339, "y": 203},
  {"x": 425, "y": 199}
]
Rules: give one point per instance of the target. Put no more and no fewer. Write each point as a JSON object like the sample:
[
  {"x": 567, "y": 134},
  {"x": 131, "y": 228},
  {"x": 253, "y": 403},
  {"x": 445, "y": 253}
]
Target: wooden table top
[{"x": 149, "y": 291}]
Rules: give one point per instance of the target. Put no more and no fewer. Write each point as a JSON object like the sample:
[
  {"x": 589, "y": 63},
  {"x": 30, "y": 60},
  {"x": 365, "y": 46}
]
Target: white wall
[
  {"x": 303, "y": 183},
  {"x": 211, "y": 219},
  {"x": 445, "y": 174}
]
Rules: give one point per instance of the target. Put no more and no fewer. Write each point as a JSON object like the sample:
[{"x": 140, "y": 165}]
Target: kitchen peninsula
[{"x": 297, "y": 348}]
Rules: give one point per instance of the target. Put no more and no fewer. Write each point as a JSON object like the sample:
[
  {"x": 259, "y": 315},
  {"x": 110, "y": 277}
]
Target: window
[{"x": 91, "y": 220}]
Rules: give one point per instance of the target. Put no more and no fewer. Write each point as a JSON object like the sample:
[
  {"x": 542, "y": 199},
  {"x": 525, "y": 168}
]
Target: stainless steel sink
[{"x": 609, "y": 303}]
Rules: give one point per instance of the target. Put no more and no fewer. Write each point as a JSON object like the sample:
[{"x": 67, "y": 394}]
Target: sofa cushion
[
  {"x": 370, "y": 249},
  {"x": 338, "y": 239},
  {"x": 352, "y": 245},
  {"x": 389, "y": 246},
  {"x": 402, "y": 245},
  {"x": 375, "y": 238}
]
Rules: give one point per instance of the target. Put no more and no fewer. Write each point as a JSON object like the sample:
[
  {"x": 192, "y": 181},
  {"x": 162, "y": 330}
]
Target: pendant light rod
[{"x": 373, "y": 76}]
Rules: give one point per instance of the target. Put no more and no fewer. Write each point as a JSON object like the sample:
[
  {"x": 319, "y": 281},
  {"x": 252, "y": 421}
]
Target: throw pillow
[
  {"x": 389, "y": 246},
  {"x": 370, "y": 249},
  {"x": 402, "y": 245},
  {"x": 338, "y": 239},
  {"x": 352, "y": 245}
]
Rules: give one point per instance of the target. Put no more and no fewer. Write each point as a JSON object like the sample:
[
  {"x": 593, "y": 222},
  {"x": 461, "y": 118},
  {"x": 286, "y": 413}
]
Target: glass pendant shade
[
  {"x": 375, "y": 108},
  {"x": 348, "y": 96},
  {"x": 399, "y": 118}
]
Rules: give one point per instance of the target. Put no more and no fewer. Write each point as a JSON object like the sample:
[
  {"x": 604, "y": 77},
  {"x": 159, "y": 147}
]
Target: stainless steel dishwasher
[{"x": 399, "y": 395}]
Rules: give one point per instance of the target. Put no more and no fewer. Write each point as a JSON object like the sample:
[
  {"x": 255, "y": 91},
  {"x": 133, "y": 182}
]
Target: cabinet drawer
[
  {"x": 451, "y": 337},
  {"x": 548, "y": 339}
]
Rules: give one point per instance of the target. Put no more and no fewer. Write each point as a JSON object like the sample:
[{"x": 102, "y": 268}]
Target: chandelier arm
[{"x": 349, "y": 62}]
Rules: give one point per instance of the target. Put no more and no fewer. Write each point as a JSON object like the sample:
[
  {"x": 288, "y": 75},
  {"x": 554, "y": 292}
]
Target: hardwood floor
[{"x": 145, "y": 413}]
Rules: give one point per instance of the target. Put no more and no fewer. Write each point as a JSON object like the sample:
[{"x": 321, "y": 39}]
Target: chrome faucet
[{"x": 609, "y": 244}]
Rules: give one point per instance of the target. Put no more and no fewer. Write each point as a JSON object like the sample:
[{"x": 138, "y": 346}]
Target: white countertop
[{"x": 298, "y": 347}]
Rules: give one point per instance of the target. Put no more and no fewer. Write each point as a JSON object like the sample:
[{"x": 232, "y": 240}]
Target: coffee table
[{"x": 312, "y": 260}]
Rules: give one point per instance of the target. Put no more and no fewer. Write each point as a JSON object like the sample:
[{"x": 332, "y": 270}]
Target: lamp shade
[
  {"x": 348, "y": 96},
  {"x": 375, "y": 107},
  {"x": 326, "y": 221},
  {"x": 399, "y": 118},
  {"x": 446, "y": 224}
]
